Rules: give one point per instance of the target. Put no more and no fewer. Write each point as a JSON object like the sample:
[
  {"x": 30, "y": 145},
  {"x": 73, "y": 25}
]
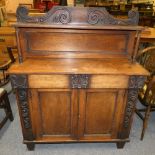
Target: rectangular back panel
[{"x": 75, "y": 43}]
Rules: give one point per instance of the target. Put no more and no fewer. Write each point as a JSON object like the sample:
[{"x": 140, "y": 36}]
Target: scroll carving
[
  {"x": 79, "y": 81},
  {"x": 101, "y": 16},
  {"x": 20, "y": 83},
  {"x": 72, "y": 15},
  {"x": 57, "y": 15}
]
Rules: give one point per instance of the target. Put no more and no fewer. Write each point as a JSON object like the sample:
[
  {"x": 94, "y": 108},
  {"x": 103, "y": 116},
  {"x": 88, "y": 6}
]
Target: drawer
[
  {"x": 48, "y": 81},
  {"x": 109, "y": 81},
  {"x": 64, "y": 81}
]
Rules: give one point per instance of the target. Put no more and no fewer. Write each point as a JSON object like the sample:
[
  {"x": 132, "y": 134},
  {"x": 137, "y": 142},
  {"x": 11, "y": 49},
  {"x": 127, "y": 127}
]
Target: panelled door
[
  {"x": 100, "y": 112},
  {"x": 54, "y": 114},
  {"x": 76, "y": 114}
]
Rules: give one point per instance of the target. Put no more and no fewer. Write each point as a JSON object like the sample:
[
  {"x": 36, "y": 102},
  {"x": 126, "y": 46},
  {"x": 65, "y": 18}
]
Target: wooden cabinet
[{"x": 76, "y": 79}]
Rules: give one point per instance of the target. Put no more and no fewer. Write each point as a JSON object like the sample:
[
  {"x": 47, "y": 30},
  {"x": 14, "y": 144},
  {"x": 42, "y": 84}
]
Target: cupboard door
[
  {"x": 100, "y": 112},
  {"x": 54, "y": 114}
]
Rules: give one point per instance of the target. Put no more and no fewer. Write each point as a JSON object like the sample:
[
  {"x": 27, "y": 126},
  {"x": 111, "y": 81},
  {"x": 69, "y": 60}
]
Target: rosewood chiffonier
[{"x": 77, "y": 78}]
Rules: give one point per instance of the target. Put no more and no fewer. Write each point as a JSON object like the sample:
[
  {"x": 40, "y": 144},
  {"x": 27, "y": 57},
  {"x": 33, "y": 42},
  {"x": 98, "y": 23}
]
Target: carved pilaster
[
  {"x": 79, "y": 81},
  {"x": 131, "y": 100},
  {"x": 135, "y": 82},
  {"x": 20, "y": 83}
]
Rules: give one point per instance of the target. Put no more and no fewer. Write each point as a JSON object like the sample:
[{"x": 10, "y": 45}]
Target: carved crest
[
  {"x": 74, "y": 15},
  {"x": 79, "y": 81},
  {"x": 57, "y": 15},
  {"x": 101, "y": 16}
]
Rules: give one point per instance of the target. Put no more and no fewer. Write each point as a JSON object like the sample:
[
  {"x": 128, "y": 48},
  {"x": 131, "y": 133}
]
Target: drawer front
[
  {"x": 48, "y": 81},
  {"x": 109, "y": 81},
  {"x": 66, "y": 81}
]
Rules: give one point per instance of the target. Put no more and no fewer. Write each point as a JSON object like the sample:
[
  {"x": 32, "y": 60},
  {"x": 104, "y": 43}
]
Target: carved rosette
[
  {"x": 135, "y": 82},
  {"x": 57, "y": 15},
  {"x": 102, "y": 17},
  {"x": 19, "y": 82},
  {"x": 79, "y": 81}
]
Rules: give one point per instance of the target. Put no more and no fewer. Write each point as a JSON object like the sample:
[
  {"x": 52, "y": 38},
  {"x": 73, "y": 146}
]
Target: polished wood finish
[{"x": 76, "y": 82}]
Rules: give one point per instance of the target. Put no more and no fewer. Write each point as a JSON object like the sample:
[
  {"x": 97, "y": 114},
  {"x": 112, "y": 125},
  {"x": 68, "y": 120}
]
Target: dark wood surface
[{"x": 76, "y": 82}]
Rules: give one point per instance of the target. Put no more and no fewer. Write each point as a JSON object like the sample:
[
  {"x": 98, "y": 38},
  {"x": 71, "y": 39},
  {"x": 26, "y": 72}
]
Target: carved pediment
[{"x": 75, "y": 15}]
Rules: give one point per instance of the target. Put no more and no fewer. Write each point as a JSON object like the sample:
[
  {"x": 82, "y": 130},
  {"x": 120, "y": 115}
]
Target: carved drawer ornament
[
  {"x": 79, "y": 81},
  {"x": 19, "y": 81},
  {"x": 136, "y": 81}
]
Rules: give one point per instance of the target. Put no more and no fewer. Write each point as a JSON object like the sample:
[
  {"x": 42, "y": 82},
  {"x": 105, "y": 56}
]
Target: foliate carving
[
  {"x": 101, "y": 16},
  {"x": 136, "y": 81},
  {"x": 23, "y": 103},
  {"x": 79, "y": 81},
  {"x": 57, "y": 15},
  {"x": 19, "y": 81},
  {"x": 131, "y": 100}
]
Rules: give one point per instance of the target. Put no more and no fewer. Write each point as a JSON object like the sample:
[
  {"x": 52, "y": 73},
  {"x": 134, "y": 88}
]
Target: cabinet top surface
[{"x": 78, "y": 66}]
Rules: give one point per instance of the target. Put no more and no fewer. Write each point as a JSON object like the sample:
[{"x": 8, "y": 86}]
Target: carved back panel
[{"x": 70, "y": 32}]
